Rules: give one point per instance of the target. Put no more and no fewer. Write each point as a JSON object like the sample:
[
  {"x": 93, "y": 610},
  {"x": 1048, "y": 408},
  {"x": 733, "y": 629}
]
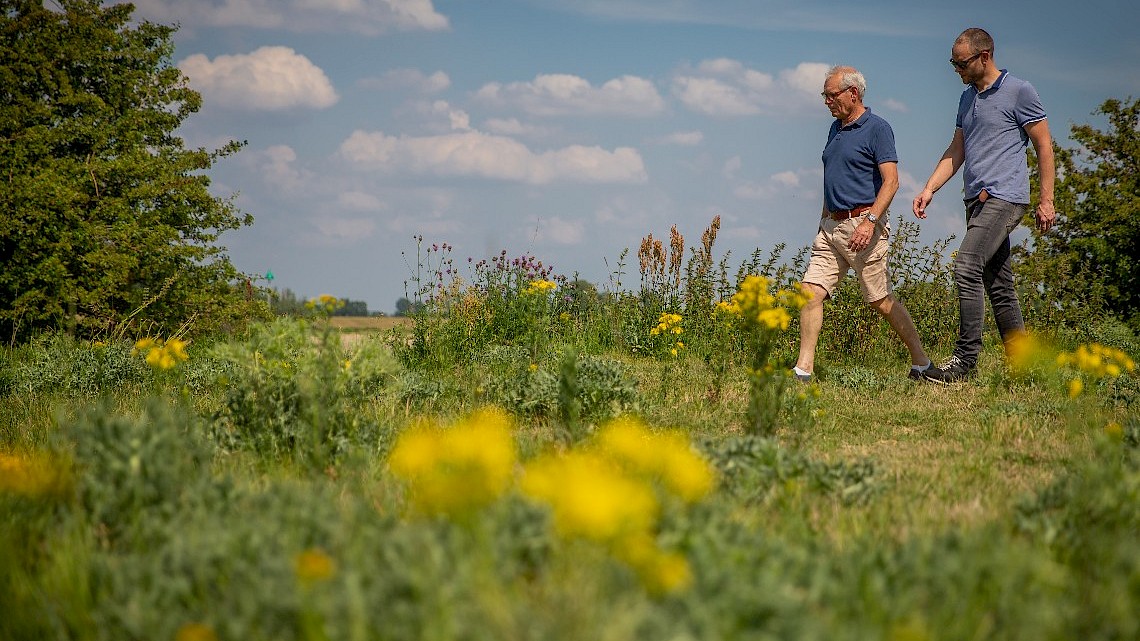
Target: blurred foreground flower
[
  {"x": 161, "y": 354},
  {"x": 1097, "y": 360},
  {"x": 664, "y": 456},
  {"x": 195, "y": 632},
  {"x": 33, "y": 475},
  {"x": 603, "y": 491},
  {"x": 324, "y": 304},
  {"x": 314, "y": 565},
  {"x": 457, "y": 469}
]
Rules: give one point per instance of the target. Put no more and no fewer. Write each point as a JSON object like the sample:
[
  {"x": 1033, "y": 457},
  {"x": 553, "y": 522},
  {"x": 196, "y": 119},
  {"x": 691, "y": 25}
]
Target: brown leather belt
[{"x": 844, "y": 214}]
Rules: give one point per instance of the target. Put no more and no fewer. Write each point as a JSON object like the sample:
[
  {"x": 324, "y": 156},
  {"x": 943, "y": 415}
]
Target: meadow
[{"x": 535, "y": 457}]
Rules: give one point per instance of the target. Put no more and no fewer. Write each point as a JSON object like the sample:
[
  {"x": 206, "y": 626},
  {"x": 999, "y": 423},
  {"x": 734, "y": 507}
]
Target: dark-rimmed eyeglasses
[
  {"x": 832, "y": 95},
  {"x": 962, "y": 64}
]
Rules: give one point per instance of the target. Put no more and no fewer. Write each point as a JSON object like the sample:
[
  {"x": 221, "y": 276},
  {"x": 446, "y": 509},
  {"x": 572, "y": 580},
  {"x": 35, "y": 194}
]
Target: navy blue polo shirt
[
  {"x": 851, "y": 161},
  {"x": 993, "y": 130}
]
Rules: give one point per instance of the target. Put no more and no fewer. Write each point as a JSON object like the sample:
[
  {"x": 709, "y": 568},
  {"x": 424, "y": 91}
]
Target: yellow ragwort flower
[
  {"x": 195, "y": 632},
  {"x": 540, "y": 287},
  {"x": 590, "y": 497},
  {"x": 313, "y": 565},
  {"x": 666, "y": 456},
  {"x": 33, "y": 475},
  {"x": 455, "y": 470},
  {"x": 1076, "y": 386}
]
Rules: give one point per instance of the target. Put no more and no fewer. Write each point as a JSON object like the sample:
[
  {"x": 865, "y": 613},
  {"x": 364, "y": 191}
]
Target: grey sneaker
[
  {"x": 803, "y": 378},
  {"x": 919, "y": 374},
  {"x": 954, "y": 370}
]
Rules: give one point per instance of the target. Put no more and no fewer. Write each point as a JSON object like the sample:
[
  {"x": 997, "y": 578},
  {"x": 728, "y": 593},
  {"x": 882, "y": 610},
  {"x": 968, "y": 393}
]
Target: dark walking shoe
[
  {"x": 952, "y": 371},
  {"x": 919, "y": 374}
]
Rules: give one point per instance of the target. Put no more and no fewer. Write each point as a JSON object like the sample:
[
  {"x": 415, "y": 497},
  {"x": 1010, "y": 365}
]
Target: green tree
[
  {"x": 1092, "y": 257},
  {"x": 107, "y": 218}
]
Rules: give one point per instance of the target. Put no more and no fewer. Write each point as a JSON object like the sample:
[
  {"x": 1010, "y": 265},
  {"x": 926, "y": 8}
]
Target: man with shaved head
[{"x": 997, "y": 115}]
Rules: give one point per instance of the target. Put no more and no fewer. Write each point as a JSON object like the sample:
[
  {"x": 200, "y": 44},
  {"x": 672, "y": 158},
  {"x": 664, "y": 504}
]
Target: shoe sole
[{"x": 939, "y": 381}]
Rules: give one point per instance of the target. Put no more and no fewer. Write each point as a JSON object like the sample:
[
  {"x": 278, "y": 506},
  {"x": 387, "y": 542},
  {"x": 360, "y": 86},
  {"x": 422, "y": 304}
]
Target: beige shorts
[{"x": 830, "y": 259}]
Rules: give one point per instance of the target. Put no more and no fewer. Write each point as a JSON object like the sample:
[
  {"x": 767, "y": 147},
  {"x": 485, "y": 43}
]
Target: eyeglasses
[
  {"x": 962, "y": 64},
  {"x": 832, "y": 95}
]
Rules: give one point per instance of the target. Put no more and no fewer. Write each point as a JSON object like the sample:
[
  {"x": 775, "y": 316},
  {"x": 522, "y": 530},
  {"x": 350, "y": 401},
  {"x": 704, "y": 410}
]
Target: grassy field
[{"x": 291, "y": 484}]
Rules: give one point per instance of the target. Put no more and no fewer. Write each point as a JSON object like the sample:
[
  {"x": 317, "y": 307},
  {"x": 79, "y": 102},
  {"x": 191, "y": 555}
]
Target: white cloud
[
  {"x": 277, "y": 166},
  {"x": 807, "y": 77},
  {"x": 513, "y": 127},
  {"x": 473, "y": 153},
  {"x": 565, "y": 94},
  {"x": 558, "y": 231},
  {"x": 359, "y": 201},
  {"x": 369, "y": 17},
  {"x": 725, "y": 87},
  {"x": 779, "y": 185},
  {"x": 683, "y": 138},
  {"x": 896, "y": 105},
  {"x": 339, "y": 231},
  {"x": 269, "y": 79},
  {"x": 411, "y": 79}
]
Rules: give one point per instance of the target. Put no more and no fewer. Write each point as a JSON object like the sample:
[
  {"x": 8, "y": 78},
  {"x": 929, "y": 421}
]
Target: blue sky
[{"x": 570, "y": 129}]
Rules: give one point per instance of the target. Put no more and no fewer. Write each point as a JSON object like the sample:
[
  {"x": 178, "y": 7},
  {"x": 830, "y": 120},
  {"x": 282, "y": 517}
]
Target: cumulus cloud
[
  {"x": 359, "y": 201},
  {"x": 725, "y": 87},
  {"x": 513, "y": 127},
  {"x": 565, "y": 94},
  {"x": 269, "y": 79},
  {"x": 277, "y": 165},
  {"x": 895, "y": 105},
  {"x": 473, "y": 153},
  {"x": 558, "y": 231},
  {"x": 408, "y": 79},
  {"x": 683, "y": 138},
  {"x": 369, "y": 17},
  {"x": 335, "y": 230},
  {"x": 779, "y": 185}
]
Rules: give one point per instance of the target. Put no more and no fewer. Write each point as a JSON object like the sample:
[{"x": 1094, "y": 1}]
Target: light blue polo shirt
[
  {"x": 993, "y": 128},
  {"x": 851, "y": 160}
]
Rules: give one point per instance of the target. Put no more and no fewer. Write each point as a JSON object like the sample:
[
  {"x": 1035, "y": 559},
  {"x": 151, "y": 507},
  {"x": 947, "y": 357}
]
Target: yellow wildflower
[
  {"x": 32, "y": 475},
  {"x": 589, "y": 496},
  {"x": 455, "y": 470},
  {"x": 1076, "y": 386},
  {"x": 162, "y": 354},
  {"x": 540, "y": 287},
  {"x": 313, "y": 565},
  {"x": 666, "y": 456},
  {"x": 195, "y": 632}
]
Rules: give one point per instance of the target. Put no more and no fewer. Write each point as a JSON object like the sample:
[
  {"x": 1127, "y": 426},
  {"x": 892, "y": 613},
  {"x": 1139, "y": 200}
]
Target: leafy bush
[
  {"x": 291, "y": 390},
  {"x": 55, "y": 363}
]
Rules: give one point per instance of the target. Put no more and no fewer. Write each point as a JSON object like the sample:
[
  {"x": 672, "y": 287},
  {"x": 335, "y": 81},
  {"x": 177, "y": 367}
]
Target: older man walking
[
  {"x": 860, "y": 178},
  {"x": 997, "y": 114}
]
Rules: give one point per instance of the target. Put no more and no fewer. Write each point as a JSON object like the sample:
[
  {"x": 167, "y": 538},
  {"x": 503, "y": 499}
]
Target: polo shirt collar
[
  {"x": 997, "y": 83},
  {"x": 860, "y": 121}
]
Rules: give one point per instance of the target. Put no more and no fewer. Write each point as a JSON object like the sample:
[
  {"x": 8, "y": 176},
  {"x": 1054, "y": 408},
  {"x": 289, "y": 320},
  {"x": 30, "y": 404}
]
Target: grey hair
[{"x": 850, "y": 77}]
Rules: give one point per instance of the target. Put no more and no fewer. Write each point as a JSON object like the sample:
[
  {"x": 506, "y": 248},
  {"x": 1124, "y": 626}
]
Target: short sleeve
[{"x": 1029, "y": 108}]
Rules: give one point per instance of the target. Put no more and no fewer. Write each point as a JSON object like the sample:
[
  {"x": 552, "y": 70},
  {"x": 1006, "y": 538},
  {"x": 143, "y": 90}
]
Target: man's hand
[
  {"x": 920, "y": 203},
  {"x": 861, "y": 238},
  {"x": 1046, "y": 216}
]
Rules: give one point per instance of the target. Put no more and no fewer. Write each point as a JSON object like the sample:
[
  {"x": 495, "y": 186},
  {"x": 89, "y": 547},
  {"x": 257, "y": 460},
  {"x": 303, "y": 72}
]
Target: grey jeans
[{"x": 983, "y": 268}]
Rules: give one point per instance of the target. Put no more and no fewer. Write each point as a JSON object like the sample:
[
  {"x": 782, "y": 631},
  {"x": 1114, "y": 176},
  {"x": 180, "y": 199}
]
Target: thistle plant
[{"x": 759, "y": 316}]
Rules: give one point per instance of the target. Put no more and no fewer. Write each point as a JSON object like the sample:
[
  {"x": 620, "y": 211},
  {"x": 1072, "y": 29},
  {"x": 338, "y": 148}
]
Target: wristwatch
[{"x": 873, "y": 218}]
